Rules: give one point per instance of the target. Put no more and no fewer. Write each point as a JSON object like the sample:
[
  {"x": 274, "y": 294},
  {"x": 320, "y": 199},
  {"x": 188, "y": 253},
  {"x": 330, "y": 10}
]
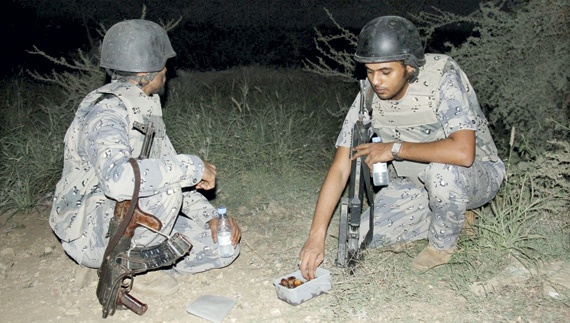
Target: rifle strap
[{"x": 130, "y": 211}]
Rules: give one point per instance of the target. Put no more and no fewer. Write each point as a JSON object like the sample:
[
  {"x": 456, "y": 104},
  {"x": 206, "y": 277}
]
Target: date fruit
[{"x": 291, "y": 282}]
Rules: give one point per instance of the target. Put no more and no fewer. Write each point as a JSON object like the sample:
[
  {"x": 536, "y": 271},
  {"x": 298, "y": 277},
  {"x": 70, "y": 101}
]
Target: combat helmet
[
  {"x": 136, "y": 45},
  {"x": 390, "y": 38}
]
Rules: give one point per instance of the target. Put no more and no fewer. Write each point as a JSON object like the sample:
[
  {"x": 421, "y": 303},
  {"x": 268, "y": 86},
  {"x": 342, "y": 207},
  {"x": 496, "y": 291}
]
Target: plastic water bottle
[
  {"x": 380, "y": 170},
  {"x": 224, "y": 229}
]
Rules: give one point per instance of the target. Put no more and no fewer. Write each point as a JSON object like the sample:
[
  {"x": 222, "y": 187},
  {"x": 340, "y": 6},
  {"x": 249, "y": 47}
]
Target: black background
[{"x": 212, "y": 34}]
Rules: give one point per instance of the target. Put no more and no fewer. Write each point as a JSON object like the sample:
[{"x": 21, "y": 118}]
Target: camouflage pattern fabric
[
  {"x": 96, "y": 174},
  {"x": 405, "y": 212},
  {"x": 430, "y": 202}
]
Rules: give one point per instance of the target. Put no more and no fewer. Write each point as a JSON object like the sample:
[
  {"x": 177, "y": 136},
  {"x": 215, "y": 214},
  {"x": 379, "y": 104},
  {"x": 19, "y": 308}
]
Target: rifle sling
[{"x": 130, "y": 211}]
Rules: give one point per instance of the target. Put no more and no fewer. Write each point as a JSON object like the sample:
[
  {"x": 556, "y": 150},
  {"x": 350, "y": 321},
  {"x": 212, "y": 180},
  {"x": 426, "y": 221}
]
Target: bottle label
[
  {"x": 224, "y": 238},
  {"x": 380, "y": 175},
  {"x": 380, "y": 167},
  {"x": 225, "y": 248}
]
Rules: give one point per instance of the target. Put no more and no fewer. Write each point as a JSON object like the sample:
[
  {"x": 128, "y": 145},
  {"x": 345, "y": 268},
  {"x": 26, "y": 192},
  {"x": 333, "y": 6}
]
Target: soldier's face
[{"x": 389, "y": 79}]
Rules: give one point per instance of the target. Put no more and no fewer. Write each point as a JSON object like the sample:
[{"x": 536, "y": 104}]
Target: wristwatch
[{"x": 395, "y": 150}]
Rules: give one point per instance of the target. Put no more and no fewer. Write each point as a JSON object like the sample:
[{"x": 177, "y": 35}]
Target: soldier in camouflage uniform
[
  {"x": 100, "y": 141},
  {"x": 434, "y": 134}
]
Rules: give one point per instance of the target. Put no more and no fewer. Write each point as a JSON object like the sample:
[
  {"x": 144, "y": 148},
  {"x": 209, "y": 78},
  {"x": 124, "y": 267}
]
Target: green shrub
[
  {"x": 31, "y": 143},
  {"x": 517, "y": 60}
]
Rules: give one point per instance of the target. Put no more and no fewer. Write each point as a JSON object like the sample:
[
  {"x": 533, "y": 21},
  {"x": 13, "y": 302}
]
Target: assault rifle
[
  {"x": 359, "y": 183},
  {"x": 121, "y": 262}
]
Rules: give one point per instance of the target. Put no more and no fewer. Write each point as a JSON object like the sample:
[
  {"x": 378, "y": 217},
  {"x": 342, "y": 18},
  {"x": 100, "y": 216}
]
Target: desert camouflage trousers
[
  {"x": 183, "y": 212},
  {"x": 404, "y": 211}
]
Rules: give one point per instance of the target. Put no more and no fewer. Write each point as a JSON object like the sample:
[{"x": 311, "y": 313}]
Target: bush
[
  {"x": 35, "y": 117},
  {"x": 517, "y": 60}
]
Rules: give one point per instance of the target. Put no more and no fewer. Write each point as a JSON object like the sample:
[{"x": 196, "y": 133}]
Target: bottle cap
[{"x": 222, "y": 210}]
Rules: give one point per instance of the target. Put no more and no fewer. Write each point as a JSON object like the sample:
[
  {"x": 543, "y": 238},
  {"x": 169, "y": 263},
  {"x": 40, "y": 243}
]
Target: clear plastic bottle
[
  {"x": 380, "y": 170},
  {"x": 224, "y": 230}
]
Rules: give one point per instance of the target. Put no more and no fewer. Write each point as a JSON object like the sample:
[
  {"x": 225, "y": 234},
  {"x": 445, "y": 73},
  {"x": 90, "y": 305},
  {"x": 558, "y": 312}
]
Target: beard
[{"x": 161, "y": 91}]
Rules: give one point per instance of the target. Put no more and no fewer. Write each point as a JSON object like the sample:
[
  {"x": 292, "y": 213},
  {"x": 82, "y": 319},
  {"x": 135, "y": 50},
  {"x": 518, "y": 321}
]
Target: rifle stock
[{"x": 115, "y": 277}]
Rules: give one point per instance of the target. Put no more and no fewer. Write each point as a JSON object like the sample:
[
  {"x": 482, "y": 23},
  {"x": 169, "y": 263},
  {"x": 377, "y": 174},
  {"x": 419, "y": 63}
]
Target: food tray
[{"x": 309, "y": 289}]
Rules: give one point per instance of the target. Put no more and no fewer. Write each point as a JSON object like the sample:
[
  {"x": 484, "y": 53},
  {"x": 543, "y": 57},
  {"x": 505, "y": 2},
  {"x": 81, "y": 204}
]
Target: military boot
[
  {"x": 430, "y": 258},
  {"x": 158, "y": 282},
  {"x": 469, "y": 226}
]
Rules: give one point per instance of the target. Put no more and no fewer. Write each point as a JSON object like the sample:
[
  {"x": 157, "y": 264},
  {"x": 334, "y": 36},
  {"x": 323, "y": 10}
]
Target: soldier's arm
[
  {"x": 312, "y": 253},
  {"x": 459, "y": 125},
  {"x": 109, "y": 149},
  {"x": 457, "y": 149}
]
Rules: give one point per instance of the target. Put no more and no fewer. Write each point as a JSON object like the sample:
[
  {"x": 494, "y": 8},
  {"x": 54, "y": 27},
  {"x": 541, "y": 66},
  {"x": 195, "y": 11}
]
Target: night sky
[{"x": 228, "y": 33}]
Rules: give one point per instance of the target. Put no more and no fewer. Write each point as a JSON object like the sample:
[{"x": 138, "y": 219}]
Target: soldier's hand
[
  {"x": 311, "y": 256},
  {"x": 374, "y": 152},
  {"x": 236, "y": 232},
  {"x": 208, "y": 181}
]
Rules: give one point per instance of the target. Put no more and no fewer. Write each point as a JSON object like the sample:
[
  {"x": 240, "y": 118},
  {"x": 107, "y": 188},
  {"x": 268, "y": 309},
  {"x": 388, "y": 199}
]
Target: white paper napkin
[{"x": 211, "y": 307}]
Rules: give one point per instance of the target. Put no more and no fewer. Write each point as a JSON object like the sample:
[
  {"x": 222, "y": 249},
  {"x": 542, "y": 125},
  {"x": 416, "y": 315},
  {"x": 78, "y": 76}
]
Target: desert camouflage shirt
[
  {"x": 440, "y": 102},
  {"x": 98, "y": 145}
]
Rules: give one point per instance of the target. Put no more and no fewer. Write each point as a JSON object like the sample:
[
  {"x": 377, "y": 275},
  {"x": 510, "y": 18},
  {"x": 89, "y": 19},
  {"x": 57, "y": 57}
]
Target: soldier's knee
[
  {"x": 443, "y": 180},
  {"x": 227, "y": 261}
]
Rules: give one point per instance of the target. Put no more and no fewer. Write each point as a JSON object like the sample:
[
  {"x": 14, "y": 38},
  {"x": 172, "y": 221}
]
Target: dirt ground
[{"x": 39, "y": 282}]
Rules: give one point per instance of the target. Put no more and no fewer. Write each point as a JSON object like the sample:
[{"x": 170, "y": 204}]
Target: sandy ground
[{"x": 39, "y": 283}]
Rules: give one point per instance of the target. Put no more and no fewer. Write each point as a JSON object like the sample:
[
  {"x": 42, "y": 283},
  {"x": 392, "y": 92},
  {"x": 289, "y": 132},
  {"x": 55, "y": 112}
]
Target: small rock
[
  {"x": 32, "y": 283},
  {"x": 7, "y": 256},
  {"x": 550, "y": 291}
]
